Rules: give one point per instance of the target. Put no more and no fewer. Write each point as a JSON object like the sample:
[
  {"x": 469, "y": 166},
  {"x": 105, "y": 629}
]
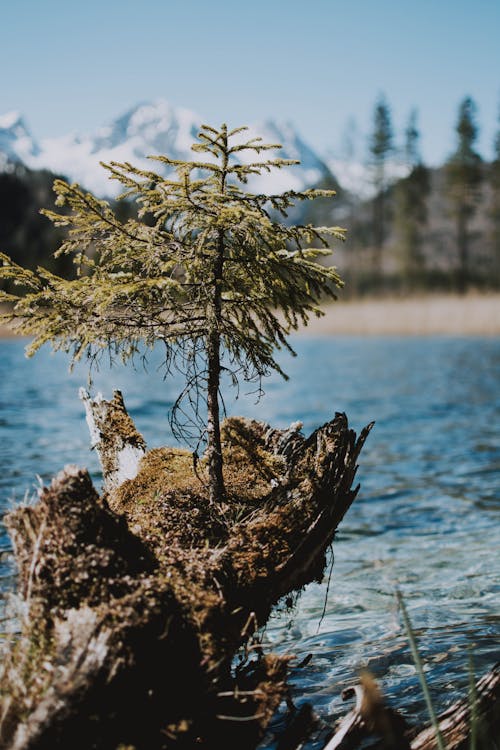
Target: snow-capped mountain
[
  {"x": 151, "y": 128},
  {"x": 16, "y": 142},
  {"x": 357, "y": 177}
]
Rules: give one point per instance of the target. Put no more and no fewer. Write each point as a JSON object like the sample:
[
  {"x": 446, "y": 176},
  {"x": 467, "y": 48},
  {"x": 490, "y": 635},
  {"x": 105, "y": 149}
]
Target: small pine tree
[
  {"x": 208, "y": 268},
  {"x": 380, "y": 147},
  {"x": 464, "y": 174},
  {"x": 411, "y": 205}
]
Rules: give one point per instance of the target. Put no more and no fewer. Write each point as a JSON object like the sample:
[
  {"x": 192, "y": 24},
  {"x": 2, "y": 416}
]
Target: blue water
[{"x": 426, "y": 520}]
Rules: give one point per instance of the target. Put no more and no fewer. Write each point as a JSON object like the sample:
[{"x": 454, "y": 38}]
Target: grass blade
[
  {"x": 420, "y": 670},
  {"x": 472, "y": 703}
]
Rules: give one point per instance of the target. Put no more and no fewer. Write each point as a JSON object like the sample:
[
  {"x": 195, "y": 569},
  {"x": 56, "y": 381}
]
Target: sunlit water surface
[{"x": 426, "y": 519}]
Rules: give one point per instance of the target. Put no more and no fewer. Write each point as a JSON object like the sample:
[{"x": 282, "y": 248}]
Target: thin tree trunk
[
  {"x": 214, "y": 449},
  {"x": 463, "y": 252},
  {"x": 380, "y": 226},
  {"x": 379, "y": 219}
]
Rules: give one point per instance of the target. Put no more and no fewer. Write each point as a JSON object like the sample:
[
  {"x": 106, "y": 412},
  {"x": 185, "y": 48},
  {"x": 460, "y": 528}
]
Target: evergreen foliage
[
  {"x": 495, "y": 206},
  {"x": 207, "y": 268},
  {"x": 411, "y": 206},
  {"x": 464, "y": 175},
  {"x": 24, "y": 234},
  {"x": 381, "y": 146}
]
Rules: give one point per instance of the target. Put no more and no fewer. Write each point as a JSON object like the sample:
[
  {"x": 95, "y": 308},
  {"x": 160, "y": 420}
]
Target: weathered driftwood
[
  {"x": 115, "y": 437},
  {"x": 457, "y": 722},
  {"x": 372, "y": 718},
  {"x": 136, "y": 602},
  {"x": 369, "y": 716}
]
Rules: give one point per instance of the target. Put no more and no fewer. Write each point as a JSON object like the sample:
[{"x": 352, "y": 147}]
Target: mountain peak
[
  {"x": 151, "y": 128},
  {"x": 11, "y": 120},
  {"x": 16, "y": 142}
]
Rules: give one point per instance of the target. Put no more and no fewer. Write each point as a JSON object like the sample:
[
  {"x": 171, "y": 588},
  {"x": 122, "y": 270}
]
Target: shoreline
[{"x": 425, "y": 315}]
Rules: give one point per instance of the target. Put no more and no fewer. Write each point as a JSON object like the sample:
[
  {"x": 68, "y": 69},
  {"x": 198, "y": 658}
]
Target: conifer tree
[
  {"x": 411, "y": 204},
  {"x": 380, "y": 147},
  {"x": 208, "y": 268},
  {"x": 495, "y": 206},
  {"x": 464, "y": 175}
]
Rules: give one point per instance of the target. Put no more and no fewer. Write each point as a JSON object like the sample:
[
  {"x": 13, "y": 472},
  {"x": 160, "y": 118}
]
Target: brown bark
[{"x": 214, "y": 448}]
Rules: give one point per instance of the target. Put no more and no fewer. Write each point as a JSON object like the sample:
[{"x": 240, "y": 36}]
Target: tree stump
[{"x": 137, "y": 601}]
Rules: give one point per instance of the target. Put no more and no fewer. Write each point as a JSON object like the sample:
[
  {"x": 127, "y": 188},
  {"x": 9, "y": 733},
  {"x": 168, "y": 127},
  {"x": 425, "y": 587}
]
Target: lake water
[{"x": 426, "y": 519}]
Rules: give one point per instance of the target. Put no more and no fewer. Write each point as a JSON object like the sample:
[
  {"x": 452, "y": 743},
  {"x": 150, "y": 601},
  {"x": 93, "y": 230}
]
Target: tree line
[{"x": 434, "y": 226}]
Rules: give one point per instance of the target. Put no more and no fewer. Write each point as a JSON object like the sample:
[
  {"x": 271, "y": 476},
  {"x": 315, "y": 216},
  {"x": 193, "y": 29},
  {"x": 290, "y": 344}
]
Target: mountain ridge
[{"x": 149, "y": 128}]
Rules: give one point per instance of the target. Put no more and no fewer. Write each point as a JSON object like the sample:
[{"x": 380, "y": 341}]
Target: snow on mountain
[
  {"x": 17, "y": 145},
  {"x": 309, "y": 172},
  {"x": 149, "y": 128},
  {"x": 158, "y": 127},
  {"x": 357, "y": 177},
  {"x": 153, "y": 128}
]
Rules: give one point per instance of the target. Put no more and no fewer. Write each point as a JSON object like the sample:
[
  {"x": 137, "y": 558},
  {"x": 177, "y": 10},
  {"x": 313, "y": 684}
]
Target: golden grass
[
  {"x": 448, "y": 315},
  {"x": 426, "y": 315}
]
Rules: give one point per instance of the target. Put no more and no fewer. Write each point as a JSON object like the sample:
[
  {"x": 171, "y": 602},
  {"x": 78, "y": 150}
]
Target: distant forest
[{"x": 434, "y": 229}]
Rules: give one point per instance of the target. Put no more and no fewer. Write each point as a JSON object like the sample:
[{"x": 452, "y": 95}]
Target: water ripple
[{"x": 426, "y": 519}]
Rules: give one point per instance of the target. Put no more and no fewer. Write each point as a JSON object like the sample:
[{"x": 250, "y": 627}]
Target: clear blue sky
[{"x": 70, "y": 65}]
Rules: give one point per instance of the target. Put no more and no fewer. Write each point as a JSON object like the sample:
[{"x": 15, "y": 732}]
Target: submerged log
[
  {"x": 371, "y": 718},
  {"x": 136, "y": 602},
  {"x": 478, "y": 715}
]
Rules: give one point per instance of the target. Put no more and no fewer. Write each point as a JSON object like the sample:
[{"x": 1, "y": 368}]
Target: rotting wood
[
  {"x": 455, "y": 723},
  {"x": 369, "y": 716},
  {"x": 113, "y": 434},
  {"x": 372, "y": 719},
  {"x": 137, "y": 601}
]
